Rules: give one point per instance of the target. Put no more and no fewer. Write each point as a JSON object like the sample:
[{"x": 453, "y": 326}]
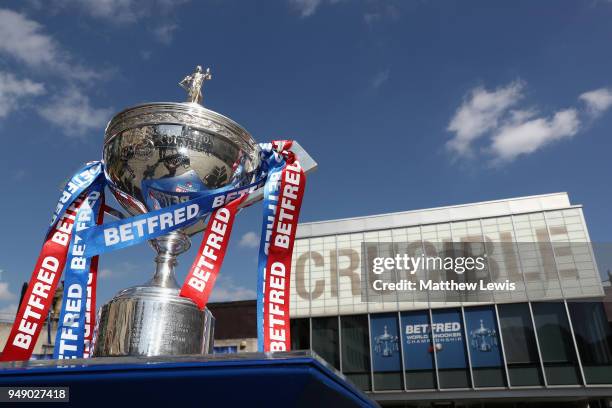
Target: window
[
  {"x": 300, "y": 334},
  {"x": 485, "y": 347},
  {"x": 325, "y": 339},
  {"x": 449, "y": 346},
  {"x": 356, "y": 350},
  {"x": 594, "y": 339},
  {"x": 418, "y": 350},
  {"x": 385, "y": 352},
  {"x": 556, "y": 345},
  {"x": 519, "y": 345}
]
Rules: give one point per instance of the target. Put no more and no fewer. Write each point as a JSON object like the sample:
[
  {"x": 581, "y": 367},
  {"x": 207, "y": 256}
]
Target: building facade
[{"x": 547, "y": 340}]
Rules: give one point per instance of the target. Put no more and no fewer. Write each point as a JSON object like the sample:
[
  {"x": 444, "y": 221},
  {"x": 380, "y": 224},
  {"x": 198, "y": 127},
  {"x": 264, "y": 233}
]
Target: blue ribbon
[
  {"x": 134, "y": 230},
  {"x": 70, "y": 336},
  {"x": 274, "y": 164},
  {"x": 78, "y": 183},
  {"x": 159, "y": 193}
]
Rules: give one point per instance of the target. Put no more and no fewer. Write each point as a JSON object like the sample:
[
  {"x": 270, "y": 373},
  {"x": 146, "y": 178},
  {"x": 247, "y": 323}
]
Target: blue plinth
[{"x": 294, "y": 379}]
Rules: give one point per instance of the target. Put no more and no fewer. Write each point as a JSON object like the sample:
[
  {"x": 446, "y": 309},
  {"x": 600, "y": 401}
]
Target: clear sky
[{"x": 404, "y": 104}]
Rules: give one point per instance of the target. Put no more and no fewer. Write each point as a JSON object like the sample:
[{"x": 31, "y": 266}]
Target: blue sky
[{"x": 404, "y": 104}]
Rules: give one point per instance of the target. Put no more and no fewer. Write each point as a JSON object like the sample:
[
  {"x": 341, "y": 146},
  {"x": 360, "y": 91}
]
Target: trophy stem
[
  {"x": 153, "y": 319},
  {"x": 168, "y": 247}
]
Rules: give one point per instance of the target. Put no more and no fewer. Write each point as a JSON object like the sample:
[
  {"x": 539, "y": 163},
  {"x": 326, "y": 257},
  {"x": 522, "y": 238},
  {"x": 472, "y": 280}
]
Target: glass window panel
[
  {"x": 503, "y": 261},
  {"x": 418, "y": 350},
  {"x": 594, "y": 338},
  {"x": 356, "y": 350},
  {"x": 318, "y": 270},
  {"x": 325, "y": 339},
  {"x": 520, "y": 345},
  {"x": 437, "y": 241},
  {"x": 300, "y": 334},
  {"x": 300, "y": 279},
  {"x": 485, "y": 347},
  {"x": 413, "y": 247},
  {"x": 350, "y": 283},
  {"x": 449, "y": 346},
  {"x": 379, "y": 300},
  {"x": 385, "y": 352},
  {"x": 330, "y": 275},
  {"x": 556, "y": 343},
  {"x": 537, "y": 257}
]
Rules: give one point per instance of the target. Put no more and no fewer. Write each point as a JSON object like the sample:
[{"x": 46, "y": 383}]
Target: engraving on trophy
[
  {"x": 144, "y": 150},
  {"x": 143, "y": 143},
  {"x": 173, "y": 162},
  {"x": 197, "y": 140},
  {"x": 197, "y": 117}
]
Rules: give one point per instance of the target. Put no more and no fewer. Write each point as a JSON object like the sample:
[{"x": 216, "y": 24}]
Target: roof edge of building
[{"x": 458, "y": 212}]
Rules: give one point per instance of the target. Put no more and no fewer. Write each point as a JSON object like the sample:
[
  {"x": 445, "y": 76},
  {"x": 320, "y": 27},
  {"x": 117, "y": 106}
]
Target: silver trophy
[{"x": 183, "y": 147}]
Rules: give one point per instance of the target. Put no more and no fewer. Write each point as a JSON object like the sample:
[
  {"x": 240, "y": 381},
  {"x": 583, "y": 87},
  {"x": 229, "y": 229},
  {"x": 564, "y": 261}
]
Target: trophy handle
[{"x": 168, "y": 247}]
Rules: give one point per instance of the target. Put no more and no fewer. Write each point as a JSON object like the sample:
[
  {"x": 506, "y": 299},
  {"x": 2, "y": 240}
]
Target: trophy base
[{"x": 152, "y": 321}]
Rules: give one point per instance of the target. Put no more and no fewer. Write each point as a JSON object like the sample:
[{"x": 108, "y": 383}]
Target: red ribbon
[
  {"x": 277, "y": 335},
  {"x": 38, "y": 298},
  {"x": 204, "y": 271}
]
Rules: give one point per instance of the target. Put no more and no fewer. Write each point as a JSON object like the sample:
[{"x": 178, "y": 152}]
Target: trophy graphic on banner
[
  {"x": 177, "y": 168},
  {"x": 483, "y": 339},
  {"x": 386, "y": 344}
]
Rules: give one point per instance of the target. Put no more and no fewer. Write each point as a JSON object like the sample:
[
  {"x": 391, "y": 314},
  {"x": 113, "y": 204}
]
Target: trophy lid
[
  {"x": 190, "y": 113},
  {"x": 179, "y": 113}
]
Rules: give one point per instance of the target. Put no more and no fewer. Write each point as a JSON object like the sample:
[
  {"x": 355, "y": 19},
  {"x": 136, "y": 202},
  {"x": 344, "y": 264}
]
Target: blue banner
[
  {"x": 448, "y": 339},
  {"x": 70, "y": 336},
  {"x": 482, "y": 332},
  {"x": 385, "y": 343},
  {"x": 416, "y": 335}
]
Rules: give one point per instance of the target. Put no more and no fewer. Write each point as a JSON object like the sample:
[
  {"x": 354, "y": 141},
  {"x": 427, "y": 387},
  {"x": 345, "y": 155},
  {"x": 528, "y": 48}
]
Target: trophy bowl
[
  {"x": 189, "y": 147},
  {"x": 150, "y": 152}
]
